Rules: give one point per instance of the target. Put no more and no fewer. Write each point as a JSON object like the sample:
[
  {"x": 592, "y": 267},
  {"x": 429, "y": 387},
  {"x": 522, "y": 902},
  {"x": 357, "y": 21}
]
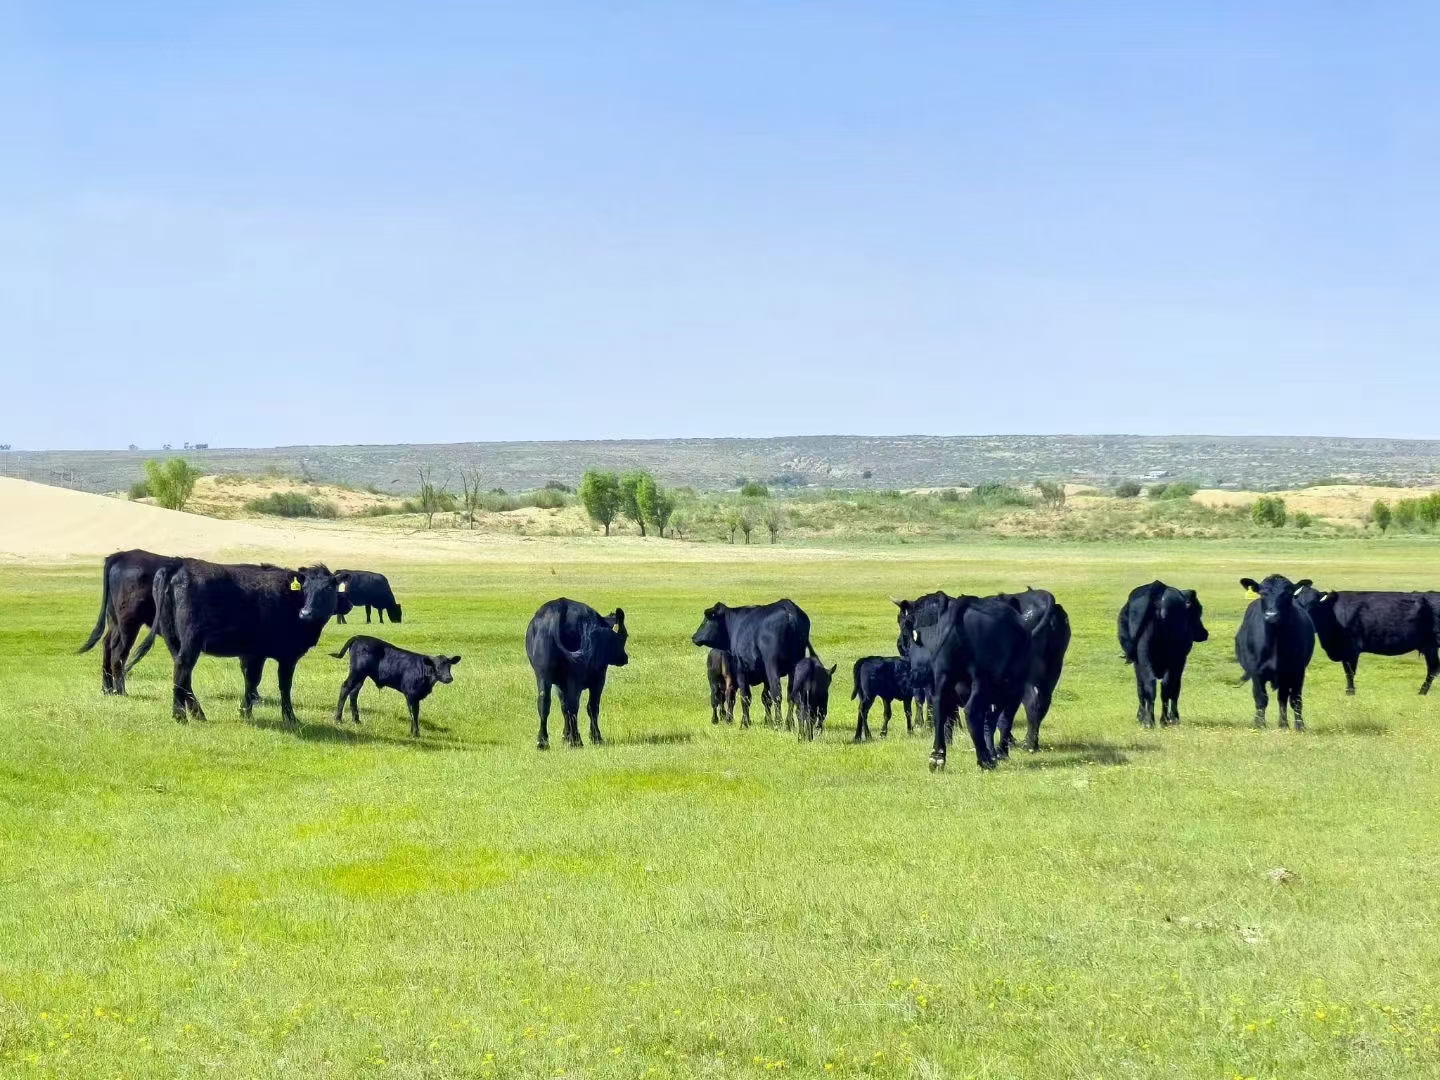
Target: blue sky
[{"x": 272, "y": 223}]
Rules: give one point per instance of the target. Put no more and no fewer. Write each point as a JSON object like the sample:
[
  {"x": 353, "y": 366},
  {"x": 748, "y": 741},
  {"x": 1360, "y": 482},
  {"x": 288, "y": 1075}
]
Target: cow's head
[
  {"x": 1320, "y": 606},
  {"x": 820, "y": 696},
  {"x": 394, "y": 612},
  {"x": 1195, "y": 616},
  {"x": 319, "y": 592},
  {"x": 612, "y": 651},
  {"x": 714, "y": 629},
  {"x": 1275, "y": 595},
  {"x": 439, "y": 667},
  {"x": 913, "y": 614}
]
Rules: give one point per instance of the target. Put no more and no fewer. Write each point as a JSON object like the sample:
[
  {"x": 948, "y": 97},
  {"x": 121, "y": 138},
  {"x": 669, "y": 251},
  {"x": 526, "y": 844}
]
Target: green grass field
[{"x": 236, "y": 900}]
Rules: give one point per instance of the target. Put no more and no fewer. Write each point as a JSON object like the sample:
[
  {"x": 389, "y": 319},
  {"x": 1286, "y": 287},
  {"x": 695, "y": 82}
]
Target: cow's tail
[
  {"x": 343, "y": 649},
  {"x": 104, "y": 607},
  {"x": 855, "y": 675},
  {"x": 160, "y": 590},
  {"x": 811, "y": 650}
]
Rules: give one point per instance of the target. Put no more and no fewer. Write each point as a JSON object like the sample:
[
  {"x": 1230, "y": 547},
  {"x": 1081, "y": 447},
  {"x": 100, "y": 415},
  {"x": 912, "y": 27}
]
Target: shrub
[
  {"x": 548, "y": 498},
  {"x": 1380, "y": 514},
  {"x": 600, "y": 495},
  {"x": 656, "y": 504},
  {"x": 753, "y": 489},
  {"x": 1302, "y": 520},
  {"x": 560, "y": 486},
  {"x": 991, "y": 494},
  {"x": 950, "y": 495},
  {"x": 432, "y": 498},
  {"x": 1177, "y": 490},
  {"x": 630, "y": 484},
  {"x": 774, "y": 519},
  {"x": 1052, "y": 494},
  {"x": 140, "y": 489},
  {"x": 1127, "y": 489},
  {"x": 171, "y": 482},
  {"x": 293, "y": 504},
  {"x": 1407, "y": 513},
  {"x": 1268, "y": 510}
]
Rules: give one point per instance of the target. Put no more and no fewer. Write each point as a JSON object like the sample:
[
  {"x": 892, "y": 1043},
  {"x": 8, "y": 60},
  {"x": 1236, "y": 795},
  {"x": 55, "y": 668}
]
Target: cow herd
[{"x": 985, "y": 657}]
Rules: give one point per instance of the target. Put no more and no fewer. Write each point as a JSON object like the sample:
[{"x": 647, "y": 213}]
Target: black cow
[
  {"x": 256, "y": 613},
  {"x": 810, "y": 695},
  {"x": 388, "y": 667},
  {"x": 722, "y": 685},
  {"x": 1274, "y": 644},
  {"x": 979, "y": 651},
  {"x": 1383, "y": 623},
  {"x": 571, "y": 645},
  {"x": 1157, "y": 627},
  {"x": 765, "y": 642},
  {"x": 127, "y": 604},
  {"x": 886, "y": 678},
  {"x": 367, "y": 590},
  {"x": 1049, "y": 626}
]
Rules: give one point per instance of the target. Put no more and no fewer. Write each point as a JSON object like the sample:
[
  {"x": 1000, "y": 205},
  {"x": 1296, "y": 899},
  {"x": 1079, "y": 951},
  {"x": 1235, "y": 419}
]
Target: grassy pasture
[{"x": 233, "y": 899}]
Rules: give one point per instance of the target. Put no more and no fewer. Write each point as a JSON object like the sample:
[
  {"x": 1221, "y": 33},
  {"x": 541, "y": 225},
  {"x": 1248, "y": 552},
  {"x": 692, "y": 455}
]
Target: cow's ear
[
  {"x": 901, "y": 604},
  {"x": 619, "y": 616},
  {"x": 1249, "y": 584},
  {"x": 1189, "y": 595},
  {"x": 1304, "y": 583},
  {"x": 454, "y": 660}
]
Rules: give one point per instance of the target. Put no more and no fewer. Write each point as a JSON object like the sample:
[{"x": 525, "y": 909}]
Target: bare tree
[
  {"x": 471, "y": 483},
  {"x": 432, "y": 497},
  {"x": 774, "y": 520},
  {"x": 733, "y": 520},
  {"x": 747, "y": 525}
]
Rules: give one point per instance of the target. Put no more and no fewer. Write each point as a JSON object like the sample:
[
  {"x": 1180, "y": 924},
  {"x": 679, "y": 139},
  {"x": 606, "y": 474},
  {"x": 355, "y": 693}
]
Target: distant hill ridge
[{"x": 828, "y": 460}]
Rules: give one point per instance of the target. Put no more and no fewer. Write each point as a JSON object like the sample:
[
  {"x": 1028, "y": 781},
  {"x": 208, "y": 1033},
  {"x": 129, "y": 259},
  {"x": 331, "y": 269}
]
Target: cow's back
[
  {"x": 1385, "y": 623},
  {"x": 563, "y": 622}
]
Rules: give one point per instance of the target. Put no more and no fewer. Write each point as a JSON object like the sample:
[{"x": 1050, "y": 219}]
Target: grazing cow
[
  {"x": 1274, "y": 644},
  {"x": 719, "y": 670},
  {"x": 256, "y": 613},
  {"x": 126, "y": 605},
  {"x": 979, "y": 651},
  {"x": 810, "y": 695},
  {"x": 1383, "y": 623},
  {"x": 765, "y": 642},
  {"x": 388, "y": 667},
  {"x": 1157, "y": 627},
  {"x": 886, "y": 678},
  {"x": 571, "y": 645},
  {"x": 367, "y": 590},
  {"x": 1049, "y": 626}
]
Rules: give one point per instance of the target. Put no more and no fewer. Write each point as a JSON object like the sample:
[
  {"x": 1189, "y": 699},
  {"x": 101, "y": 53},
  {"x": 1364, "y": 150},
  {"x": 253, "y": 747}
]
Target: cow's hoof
[
  {"x": 987, "y": 765},
  {"x": 1299, "y": 725},
  {"x": 543, "y": 744},
  {"x": 1350, "y": 691}
]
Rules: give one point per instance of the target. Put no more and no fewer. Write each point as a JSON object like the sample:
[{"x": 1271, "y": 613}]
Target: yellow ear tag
[
  {"x": 294, "y": 584},
  {"x": 342, "y": 585},
  {"x": 1252, "y": 594},
  {"x": 616, "y": 628}
]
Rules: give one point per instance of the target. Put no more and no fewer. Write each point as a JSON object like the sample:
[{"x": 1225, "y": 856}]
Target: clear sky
[{"x": 259, "y": 223}]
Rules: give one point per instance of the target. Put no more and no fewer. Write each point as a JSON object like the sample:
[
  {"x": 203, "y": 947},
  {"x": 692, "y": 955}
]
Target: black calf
[{"x": 390, "y": 668}]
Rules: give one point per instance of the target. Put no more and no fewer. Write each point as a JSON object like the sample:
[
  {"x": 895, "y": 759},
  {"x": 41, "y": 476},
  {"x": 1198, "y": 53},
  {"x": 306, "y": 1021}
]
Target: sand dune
[{"x": 48, "y": 524}]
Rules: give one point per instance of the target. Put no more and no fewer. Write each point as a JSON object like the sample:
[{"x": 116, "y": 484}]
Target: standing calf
[
  {"x": 720, "y": 671},
  {"x": 810, "y": 694},
  {"x": 388, "y": 667},
  {"x": 888, "y": 679}
]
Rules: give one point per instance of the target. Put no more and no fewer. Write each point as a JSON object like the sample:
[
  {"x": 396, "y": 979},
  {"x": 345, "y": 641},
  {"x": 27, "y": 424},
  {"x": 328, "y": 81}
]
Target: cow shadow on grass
[
  {"x": 1069, "y": 754},
  {"x": 653, "y": 738},
  {"x": 1327, "y": 728},
  {"x": 325, "y": 732}
]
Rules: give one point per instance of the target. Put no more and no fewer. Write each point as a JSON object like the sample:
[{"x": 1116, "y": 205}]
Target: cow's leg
[
  {"x": 1296, "y": 699},
  {"x": 1262, "y": 700},
  {"x": 1432, "y": 668},
  {"x": 789, "y": 703},
  {"x": 1002, "y": 726},
  {"x": 730, "y": 701},
  {"x": 285, "y": 673},
  {"x": 977, "y": 716},
  {"x": 772, "y": 687},
  {"x": 185, "y": 699},
  {"x": 716, "y": 697},
  {"x": 414, "y": 704},
  {"x": 119, "y": 653},
  {"x": 380, "y": 615},
  {"x": 860, "y": 718},
  {"x": 355, "y": 699},
  {"x": 1350, "y": 667},
  {"x": 340, "y": 619},
  {"x": 592, "y": 707},
  {"x": 350, "y": 688},
  {"x": 886, "y": 704},
  {"x": 1170, "y": 698},
  {"x": 107, "y": 661},
  {"x": 570, "y": 709},
  {"x": 909, "y": 720},
  {"x": 252, "y": 668},
  {"x": 542, "y": 706},
  {"x": 745, "y": 705},
  {"x": 1145, "y": 692},
  {"x": 943, "y": 700},
  {"x": 1037, "y": 707}
]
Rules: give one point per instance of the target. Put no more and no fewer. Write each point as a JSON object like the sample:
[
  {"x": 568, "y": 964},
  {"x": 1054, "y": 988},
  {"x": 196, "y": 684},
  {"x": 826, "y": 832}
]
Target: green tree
[
  {"x": 1268, "y": 510},
  {"x": 754, "y": 489},
  {"x": 747, "y": 524},
  {"x": 630, "y": 485},
  {"x": 1127, "y": 489},
  {"x": 1380, "y": 514},
  {"x": 734, "y": 519},
  {"x": 600, "y": 495},
  {"x": 1052, "y": 495},
  {"x": 774, "y": 521},
  {"x": 656, "y": 504},
  {"x": 171, "y": 482}
]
